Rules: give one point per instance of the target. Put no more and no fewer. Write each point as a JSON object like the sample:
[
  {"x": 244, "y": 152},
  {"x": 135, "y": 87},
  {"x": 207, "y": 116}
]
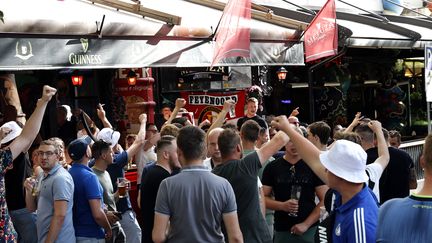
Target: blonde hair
[{"x": 252, "y": 99}]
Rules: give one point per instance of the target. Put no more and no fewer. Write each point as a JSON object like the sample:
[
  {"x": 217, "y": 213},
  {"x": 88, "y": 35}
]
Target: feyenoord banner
[
  {"x": 321, "y": 37},
  {"x": 208, "y": 105}
]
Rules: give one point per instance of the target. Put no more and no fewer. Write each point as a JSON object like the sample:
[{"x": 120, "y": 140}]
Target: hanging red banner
[
  {"x": 233, "y": 36},
  {"x": 321, "y": 37}
]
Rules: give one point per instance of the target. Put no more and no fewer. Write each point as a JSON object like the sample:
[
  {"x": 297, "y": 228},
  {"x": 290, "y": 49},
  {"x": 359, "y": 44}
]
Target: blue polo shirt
[
  {"x": 356, "y": 220},
  {"x": 57, "y": 185},
  {"x": 87, "y": 187}
]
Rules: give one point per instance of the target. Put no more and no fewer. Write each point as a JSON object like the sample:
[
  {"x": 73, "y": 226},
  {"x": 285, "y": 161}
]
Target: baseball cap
[
  {"x": 346, "y": 160},
  {"x": 14, "y": 131},
  {"x": 109, "y": 136},
  {"x": 78, "y": 147}
]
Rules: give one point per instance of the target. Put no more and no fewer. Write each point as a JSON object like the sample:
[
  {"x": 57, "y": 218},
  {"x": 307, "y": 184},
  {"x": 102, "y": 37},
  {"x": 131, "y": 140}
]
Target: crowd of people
[{"x": 254, "y": 181}]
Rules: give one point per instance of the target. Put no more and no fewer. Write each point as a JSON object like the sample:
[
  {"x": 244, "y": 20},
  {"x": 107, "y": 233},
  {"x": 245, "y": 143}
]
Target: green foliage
[{"x": 1, "y": 17}]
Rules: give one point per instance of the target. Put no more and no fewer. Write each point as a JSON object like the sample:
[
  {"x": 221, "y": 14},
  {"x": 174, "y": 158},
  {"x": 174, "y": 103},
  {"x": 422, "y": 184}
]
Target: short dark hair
[
  {"x": 165, "y": 105},
  {"x": 227, "y": 142},
  {"x": 262, "y": 131},
  {"x": 395, "y": 134},
  {"x": 163, "y": 142},
  {"x": 99, "y": 147},
  {"x": 148, "y": 125},
  {"x": 365, "y": 132},
  {"x": 250, "y": 130},
  {"x": 320, "y": 129},
  {"x": 229, "y": 126},
  {"x": 180, "y": 120},
  {"x": 53, "y": 143},
  {"x": 191, "y": 141}
]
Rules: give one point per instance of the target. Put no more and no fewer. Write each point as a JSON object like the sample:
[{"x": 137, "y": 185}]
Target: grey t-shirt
[
  {"x": 195, "y": 200},
  {"x": 108, "y": 191},
  {"x": 242, "y": 175},
  {"x": 56, "y": 186}
]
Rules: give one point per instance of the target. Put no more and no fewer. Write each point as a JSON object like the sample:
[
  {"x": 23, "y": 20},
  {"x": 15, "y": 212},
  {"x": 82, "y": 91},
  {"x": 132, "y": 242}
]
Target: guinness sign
[{"x": 84, "y": 58}]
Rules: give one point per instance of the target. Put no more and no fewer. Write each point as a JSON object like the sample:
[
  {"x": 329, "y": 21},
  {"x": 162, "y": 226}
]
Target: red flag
[
  {"x": 321, "y": 37},
  {"x": 233, "y": 35}
]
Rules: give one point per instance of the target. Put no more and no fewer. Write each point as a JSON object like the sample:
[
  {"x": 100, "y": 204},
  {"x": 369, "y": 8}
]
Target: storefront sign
[
  {"x": 208, "y": 105},
  {"x": 51, "y": 53}
]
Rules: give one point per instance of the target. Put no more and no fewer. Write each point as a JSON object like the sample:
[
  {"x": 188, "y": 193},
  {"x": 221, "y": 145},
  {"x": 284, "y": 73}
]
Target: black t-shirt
[
  {"x": 281, "y": 175},
  {"x": 243, "y": 175},
  {"x": 14, "y": 178},
  {"x": 394, "y": 182},
  {"x": 150, "y": 182},
  {"x": 256, "y": 118}
]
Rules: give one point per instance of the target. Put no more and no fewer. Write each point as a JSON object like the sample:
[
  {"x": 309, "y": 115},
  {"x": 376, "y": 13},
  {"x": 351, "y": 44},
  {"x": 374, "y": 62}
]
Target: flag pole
[
  {"x": 301, "y": 7},
  {"x": 384, "y": 19}
]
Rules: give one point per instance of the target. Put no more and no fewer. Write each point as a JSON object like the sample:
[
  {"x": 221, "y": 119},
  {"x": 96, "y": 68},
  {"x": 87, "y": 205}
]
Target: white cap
[
  {"x": 14, "y": 131},
  {"x": 346, "y": 160},
  {"x": 109, "y": 136}
]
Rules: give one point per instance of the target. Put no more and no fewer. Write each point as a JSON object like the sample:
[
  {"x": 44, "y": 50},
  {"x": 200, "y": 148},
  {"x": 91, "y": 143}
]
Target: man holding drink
[
  {"x": 296, "y": 213},
  {"x": 103, "y": 156},
  {"x": 54, "y": 200}
]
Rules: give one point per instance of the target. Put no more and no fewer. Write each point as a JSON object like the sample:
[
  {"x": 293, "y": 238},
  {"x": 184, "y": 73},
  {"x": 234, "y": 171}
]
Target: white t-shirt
[
  {"x": 375, "y": 171},
  {"x": 207, "y": 163},
  {"x": 142, "y": 158}
]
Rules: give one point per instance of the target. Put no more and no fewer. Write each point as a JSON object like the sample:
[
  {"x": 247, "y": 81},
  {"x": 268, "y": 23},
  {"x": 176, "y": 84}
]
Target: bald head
[{"x": 212, "y": 145}]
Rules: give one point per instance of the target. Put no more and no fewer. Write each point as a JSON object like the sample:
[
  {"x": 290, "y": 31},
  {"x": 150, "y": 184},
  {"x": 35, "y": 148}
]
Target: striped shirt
[{"x": 356, "y": 220}]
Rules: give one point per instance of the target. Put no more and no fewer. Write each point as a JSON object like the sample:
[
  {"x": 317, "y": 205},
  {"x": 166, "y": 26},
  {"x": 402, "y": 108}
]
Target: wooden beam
[
  {"x": 259, "y": 13},
  {"x": 138, "y": 9}
]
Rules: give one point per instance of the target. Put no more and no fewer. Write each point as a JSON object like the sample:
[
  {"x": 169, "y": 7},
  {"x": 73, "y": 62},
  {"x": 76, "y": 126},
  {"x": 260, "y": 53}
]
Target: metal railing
[{"x": 414, "y": 149}]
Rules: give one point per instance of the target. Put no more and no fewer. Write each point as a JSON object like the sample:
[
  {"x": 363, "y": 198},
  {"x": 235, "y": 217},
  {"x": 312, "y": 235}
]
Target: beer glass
[
  {"x": 123, "y": 185},
  {"x": 295, "y": 194}
]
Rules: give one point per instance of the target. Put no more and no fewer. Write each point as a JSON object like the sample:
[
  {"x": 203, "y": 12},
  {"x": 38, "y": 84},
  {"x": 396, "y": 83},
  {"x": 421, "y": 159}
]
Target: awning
[
  {"x": 366, "y": 31},
  {"x": 48, "y": 34},
  {"x": 371, "y": 32}
]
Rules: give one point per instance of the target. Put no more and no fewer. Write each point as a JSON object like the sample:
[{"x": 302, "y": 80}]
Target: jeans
[
  {"x": 131, "y": 227},
  {"x": 24, "y": 223}
]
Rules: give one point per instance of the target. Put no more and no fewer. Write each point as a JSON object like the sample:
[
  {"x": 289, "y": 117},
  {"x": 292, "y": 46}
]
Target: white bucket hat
[
  {"x": 346, "y": 160},
  {"x": 14, "y": 131},
  {"x": 109, "y": 136}
]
